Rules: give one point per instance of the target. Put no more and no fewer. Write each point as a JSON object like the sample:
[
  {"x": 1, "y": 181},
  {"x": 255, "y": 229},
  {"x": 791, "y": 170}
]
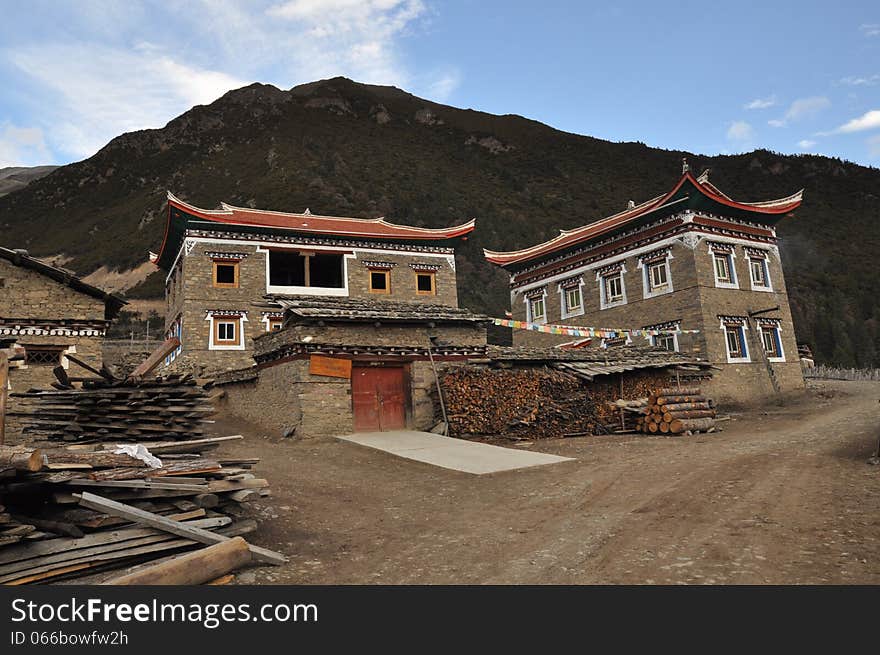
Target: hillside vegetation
[{"x": 339, "y": 147}]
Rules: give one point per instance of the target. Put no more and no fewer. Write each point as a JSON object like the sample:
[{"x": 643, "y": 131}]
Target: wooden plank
[
  {"x": 156, "y": 358},
  {"x": 334, "y": 367},
  {"x": 90, "y": 369},
  {"x": 4, "y": 383},
  {"x": 192, "y": 568},
  {"x": 95, "y": 502}
]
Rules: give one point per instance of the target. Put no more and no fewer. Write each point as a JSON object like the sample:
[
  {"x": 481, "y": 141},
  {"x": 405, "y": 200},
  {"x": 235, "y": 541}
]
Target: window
[
  {"x": 425, "y": 284},
  {"x": 722, "y": 268},
  {"x": 306, "y": 269},
  {"x": 665, "y": 341},
  {"x": 612, "y": 289},
  {"x": 770, "y": 339},
  {"x": 760, "y": 275},
  {"x": 225, "y": 332},
  {"x": 380, "y": 281},
  {"x": 273, "y": 325},
  {"x": 42, "y": 355},
  {"x": 537, "y": 311},
  {"x": 658, "y": 276},
  {"x": 573, "y": 300},
  {"x": 225, "y": 274},
  {"x": 736, "y": 343}
]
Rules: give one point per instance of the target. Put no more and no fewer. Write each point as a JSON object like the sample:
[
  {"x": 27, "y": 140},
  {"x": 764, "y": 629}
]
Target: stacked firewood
[
  {"x": 529, "y": 403},
  {"x": 47, "y": 534},
  {"x": 166, "y": 408},
  {"x": 676, "y": 411}
]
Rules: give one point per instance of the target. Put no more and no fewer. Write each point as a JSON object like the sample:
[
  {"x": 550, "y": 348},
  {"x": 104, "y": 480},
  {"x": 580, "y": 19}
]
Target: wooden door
[{"x": 378, "y": 397}]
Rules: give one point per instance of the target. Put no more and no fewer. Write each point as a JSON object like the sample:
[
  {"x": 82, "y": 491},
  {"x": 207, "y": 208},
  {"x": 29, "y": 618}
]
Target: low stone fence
[{"x": 831, "y": 373}]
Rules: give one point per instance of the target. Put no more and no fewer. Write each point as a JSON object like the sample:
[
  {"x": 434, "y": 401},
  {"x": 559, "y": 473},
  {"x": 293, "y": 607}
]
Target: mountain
[
  {"x": 339, "y": 147},
  {"x": 14, "y": 178}
]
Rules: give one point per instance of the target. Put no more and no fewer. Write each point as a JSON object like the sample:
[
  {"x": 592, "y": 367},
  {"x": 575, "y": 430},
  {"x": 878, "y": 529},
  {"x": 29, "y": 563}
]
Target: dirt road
[{"x": 780, "y": 496}]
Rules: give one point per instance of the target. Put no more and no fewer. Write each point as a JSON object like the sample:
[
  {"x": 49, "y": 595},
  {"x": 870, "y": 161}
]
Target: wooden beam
[
  {"x": 122, "y": 510},
  {"x": 4, "y": 383},
  {"x": 151, "y": 362},
  {"x": 90, "y": 369},
  {"x": 193, "y": 568}
]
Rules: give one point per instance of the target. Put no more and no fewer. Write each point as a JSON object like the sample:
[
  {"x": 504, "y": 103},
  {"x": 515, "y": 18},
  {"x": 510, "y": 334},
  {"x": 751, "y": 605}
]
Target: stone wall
[
  {"x": 30, "y": 295},
  {"x": 190, "y": 293},
  {"x": 697, "y": 302},
  {"x": 286, "y": 399}
]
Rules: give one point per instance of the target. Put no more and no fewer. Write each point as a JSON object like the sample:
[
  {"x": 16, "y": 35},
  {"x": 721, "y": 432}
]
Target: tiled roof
[
  {"x": 680, "y": 196},
  {"x": 367, "y": 309}
]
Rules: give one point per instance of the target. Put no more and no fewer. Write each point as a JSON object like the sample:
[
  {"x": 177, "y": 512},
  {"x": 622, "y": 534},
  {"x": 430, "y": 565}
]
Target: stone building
[
  {"x": 51, "y": 313},
  {"x": 221, "y": 264},
  {"x": 690, "y": 259},
  {"x": 342, "y": 365}
]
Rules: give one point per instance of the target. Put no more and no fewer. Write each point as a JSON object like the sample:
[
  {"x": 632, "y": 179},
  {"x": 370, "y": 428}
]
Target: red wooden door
[{"x": 378, "y": 396}]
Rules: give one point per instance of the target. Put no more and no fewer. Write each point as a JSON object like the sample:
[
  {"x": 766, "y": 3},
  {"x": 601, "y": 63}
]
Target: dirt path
[{"x": 781, "y": 496}]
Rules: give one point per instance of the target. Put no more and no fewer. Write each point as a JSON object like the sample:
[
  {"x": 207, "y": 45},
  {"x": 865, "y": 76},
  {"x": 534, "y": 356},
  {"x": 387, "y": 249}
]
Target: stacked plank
[
  {"x": 162, "y": 408},
  {"x": 676, "y": 411},
  {"x": 530, "y": 403},
  {"x": 47, "y": 533}
]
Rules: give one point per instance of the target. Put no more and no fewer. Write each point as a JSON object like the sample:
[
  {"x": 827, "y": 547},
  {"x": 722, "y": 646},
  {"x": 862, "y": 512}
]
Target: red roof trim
[
  {"x": 313, "y": 223},
  {"x": 591, "y": 230}
]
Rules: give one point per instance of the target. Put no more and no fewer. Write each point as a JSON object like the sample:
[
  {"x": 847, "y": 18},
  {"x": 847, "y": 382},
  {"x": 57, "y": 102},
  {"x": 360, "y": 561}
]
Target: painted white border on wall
[
  {"x": 563, "y": 306},
  {"x": 745, "y": 339},
  {"x": 766, "y": 260},
  {"x": 242, "y": 319},
  {"x": 600, "y": 279},
  {"x": 646, "y": 286}
]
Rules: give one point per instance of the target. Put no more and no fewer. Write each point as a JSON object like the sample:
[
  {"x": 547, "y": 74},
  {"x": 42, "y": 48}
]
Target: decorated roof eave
[
  {"x": 698, "y": 193},
  {"x": 189, "y": 217}
]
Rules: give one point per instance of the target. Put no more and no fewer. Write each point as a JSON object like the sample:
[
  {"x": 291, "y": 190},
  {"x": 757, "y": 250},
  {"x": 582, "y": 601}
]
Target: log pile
[
  {"x": 677, "y": 411},
  {"x": 531, "y": 403},
  {"x": 47, "y": 533}
]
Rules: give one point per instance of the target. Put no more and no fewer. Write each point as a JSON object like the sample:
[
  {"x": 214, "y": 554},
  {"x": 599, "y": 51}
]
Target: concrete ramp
[{"x": 449, "y": 453}]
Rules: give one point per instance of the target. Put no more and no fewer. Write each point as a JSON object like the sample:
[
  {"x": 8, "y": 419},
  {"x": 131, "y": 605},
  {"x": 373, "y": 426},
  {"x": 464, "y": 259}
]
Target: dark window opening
[
  {"x": 378, "y": 280},
  {"x": 326, "y": 271},
  {"x": 425, "y": 282},
  {"x": 290, "y": 269},
  {"x": 225, "y": 273}
]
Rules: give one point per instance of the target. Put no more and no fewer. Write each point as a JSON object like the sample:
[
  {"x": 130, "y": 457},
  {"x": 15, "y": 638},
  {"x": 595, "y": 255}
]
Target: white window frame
[
  {"x": 646, "y": 264},
  {"x": 307, "y": 291},
  {"x": 565, "y": 312},
  {"x": 778, "y": 335},
  {"x": 731, "y": 265},
  {"x": 665, "y": 335},
  {"x": 768, "y": 286},
  {"x": 601, "y": 278},
  {"x": 226, "y": 318},
  {"x": 743, "y": 328},
  {"x": 529, "y": 300}
]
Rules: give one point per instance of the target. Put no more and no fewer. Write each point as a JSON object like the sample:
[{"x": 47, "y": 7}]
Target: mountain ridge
[{"x": 343, "y": 148}]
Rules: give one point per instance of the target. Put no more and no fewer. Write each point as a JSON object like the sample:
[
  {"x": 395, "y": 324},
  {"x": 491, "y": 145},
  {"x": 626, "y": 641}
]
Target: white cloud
[
  {"x": 90, "y": 84},
  {"x": 741, "y": 132},
  {"x": 805, "y": 144},
  {"x": 102, "y": 92},
  {"x": 802, "y": 109},
  {"x": 868, "y": 80},
  {"x": 441, "y": 88},
  {"x": 761, "y": 103},
  {"x": 22, "y": 146},
  {"x": 874, "y": 146},
  {"x": 870, "y": 29},
  {"x": 868, "y": 121}
]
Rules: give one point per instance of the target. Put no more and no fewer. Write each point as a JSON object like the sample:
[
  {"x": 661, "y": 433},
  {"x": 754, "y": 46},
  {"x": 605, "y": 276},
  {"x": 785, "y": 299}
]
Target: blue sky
[{"x": 706, "y": 77}]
